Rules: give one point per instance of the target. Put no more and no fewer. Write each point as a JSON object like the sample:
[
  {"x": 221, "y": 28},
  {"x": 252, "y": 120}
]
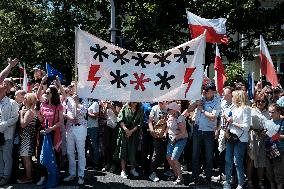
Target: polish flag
[
  {"x": 216, "y": 29},
  {"x": 220, "y": 75},
  {"x": 267, "y": 67}
]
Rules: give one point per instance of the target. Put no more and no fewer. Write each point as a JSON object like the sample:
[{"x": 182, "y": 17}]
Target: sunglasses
[
  {"x": 47, "y": 93},
  {"x": 271, "y": 112},
  {"x": 268, "y": 92},
  {"x": 261, "y": 101}
]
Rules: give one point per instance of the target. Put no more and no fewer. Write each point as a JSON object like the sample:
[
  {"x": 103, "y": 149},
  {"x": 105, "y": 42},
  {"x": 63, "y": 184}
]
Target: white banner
[{"x": 108, "y": 72}]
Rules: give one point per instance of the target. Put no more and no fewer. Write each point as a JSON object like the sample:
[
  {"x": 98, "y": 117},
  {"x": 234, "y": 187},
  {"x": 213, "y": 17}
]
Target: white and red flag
[
  {"x": 215, "y": 28},
  {"x": 220, "y": 74},
  {"x": 267, "y": 67},
  {"x": 109, "y": 72}
]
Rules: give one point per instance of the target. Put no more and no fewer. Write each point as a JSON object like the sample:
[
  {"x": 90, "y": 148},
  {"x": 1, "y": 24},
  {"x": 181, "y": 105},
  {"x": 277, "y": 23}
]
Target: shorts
[{"x": 174, "y": 150}]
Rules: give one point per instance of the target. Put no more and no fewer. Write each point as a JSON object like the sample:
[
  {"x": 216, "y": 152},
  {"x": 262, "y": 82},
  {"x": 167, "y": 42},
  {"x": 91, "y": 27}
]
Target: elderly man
[{"x": 8, "y": 118}]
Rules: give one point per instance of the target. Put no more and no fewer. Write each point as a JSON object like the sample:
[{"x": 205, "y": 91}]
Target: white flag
[{"x": 108, "y": 72}]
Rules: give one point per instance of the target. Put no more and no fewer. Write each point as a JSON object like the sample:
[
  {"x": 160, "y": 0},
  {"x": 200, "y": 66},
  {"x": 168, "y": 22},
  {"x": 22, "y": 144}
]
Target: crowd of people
[{"x": 237, "y": 135}]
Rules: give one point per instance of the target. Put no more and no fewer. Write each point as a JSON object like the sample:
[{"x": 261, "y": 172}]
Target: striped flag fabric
[
  {"x": 215, "y": 28},
  {"x": 267, "y": 67},
  {"x": 220, "y": 75}
]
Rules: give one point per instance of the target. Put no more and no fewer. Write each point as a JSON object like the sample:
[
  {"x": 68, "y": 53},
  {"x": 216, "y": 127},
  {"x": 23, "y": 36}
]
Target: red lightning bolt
[
  {"x": 92, "y": 73},
  {"x": 188, "y": 73}
]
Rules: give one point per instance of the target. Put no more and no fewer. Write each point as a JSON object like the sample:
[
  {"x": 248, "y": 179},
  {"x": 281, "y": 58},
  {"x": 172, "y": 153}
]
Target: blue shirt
[
  {"x": 147, "y": 109},
  {"x": 212, "y": 106}
]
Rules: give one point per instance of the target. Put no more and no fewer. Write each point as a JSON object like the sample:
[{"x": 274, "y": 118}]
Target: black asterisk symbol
[
  {"x": 162, "y": 58},
  {"x": 120, "y": 56},
  {"x": 99, "y": 52},
  {"x": 183, "y": 54},
  {"x": 141, "y": 60},
  {"x": 164, "y": 80},
  {"x": 118, "y": 78}
]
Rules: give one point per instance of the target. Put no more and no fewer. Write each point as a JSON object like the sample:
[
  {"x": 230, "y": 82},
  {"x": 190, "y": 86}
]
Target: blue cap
[{"x": 37, "y": 67}]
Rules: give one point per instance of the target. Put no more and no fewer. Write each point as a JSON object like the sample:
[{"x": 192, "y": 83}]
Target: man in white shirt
[
  {"x": 76, "y": 133},
  {"x": 8, "y": 118},
  {"x": 93, "y": 129}
]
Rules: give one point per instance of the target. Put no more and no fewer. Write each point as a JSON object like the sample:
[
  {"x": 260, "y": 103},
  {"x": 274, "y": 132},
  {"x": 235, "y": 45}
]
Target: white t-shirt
[
  {"x": 94, "y": 108},
  {"x": 111, "y": 118}
]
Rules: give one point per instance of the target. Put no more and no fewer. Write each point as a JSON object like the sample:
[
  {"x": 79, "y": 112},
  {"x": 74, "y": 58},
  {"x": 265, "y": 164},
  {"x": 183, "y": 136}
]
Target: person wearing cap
[
  {"x": 176, "y": 130},
  {"x": 207, "y": 110},
  {"x": 38, "y": 73}
]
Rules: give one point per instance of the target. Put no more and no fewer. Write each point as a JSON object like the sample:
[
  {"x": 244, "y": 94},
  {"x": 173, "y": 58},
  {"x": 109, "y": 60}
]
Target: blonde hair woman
[
  {"x": 28, "y": 118},
  {"x": 239, "y": 124}
]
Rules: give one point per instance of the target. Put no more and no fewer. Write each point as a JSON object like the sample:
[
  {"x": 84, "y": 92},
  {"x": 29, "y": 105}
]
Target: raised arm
[{"x": 6, "y": 71}]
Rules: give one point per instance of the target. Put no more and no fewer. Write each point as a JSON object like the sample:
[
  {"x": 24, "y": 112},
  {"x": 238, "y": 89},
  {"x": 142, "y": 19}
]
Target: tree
[
  {"x": 234, "y": 73},
  {"x": 42, "y": 31}
]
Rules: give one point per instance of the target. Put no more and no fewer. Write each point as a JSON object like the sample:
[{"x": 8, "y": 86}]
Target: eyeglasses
[
  {"x": 269, "y": 93},
  {"x": 261, "y": 101},
  {"x": 271, "y": 112}
]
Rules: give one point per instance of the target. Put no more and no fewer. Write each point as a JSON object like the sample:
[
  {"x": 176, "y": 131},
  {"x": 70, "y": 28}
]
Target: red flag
[
  {"x": 267, "y": 67},
  {"x": 220, "y": 74},
  {"x": 216, "y": 28}
]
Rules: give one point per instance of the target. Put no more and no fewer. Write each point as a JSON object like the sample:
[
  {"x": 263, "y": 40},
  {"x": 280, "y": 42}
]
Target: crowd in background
[{"x": 242, "y": 138}]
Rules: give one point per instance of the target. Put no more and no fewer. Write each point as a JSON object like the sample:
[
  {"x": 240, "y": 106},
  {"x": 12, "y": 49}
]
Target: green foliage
[
  {"x": 41, "y": 31},
  {"x": 234, "y": 73}
]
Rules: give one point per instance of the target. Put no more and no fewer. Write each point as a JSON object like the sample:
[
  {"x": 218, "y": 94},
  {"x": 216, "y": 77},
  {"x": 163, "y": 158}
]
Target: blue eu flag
[
  {"x": 53, "y": 72},
  {"x": 48, "y": 159}
]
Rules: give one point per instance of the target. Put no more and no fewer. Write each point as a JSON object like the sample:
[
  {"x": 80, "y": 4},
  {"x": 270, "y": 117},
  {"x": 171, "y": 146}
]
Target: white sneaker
[
  {"x": 226, "y": 185},
  {"x": 69, "y": 178},
  {"x": 239, "y": 187},
  {"x": 80, "y": 180},
  {"x": 123, "y": 174},
  {"x": 153, "y": 177},
  {"x": 41, "y": 181},
  {"x": 134, "y": 173}
]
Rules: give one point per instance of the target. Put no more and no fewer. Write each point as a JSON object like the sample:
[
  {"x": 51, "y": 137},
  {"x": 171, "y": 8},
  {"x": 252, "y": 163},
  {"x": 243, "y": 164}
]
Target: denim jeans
[
  {"x": 93, "y": 134},
  {"x": 200, "y": 138},
  {"x": 235, "y": 154},
  {"x": 174, "y": 150}
]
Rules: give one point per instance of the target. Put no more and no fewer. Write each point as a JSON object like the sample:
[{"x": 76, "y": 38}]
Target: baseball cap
[
  {"x": 37, "y": 67},
  {"x": 173, "y": 106}
]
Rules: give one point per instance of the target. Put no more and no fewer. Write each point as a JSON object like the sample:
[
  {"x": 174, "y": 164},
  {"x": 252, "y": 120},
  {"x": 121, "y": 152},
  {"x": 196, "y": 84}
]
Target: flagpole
[
  {"x": 76, "y": 66},
  {"x": 76, "y": 59},
  {"x": 23, "y": 76}
]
